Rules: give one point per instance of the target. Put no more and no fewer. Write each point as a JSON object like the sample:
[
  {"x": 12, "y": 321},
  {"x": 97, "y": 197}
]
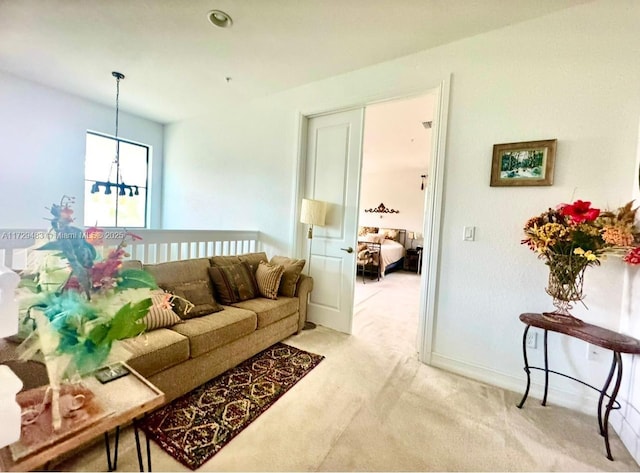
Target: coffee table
[{"x": 124, "y": 400}]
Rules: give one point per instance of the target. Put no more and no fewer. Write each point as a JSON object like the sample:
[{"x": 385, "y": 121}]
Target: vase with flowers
[
  {"x": 573, "y": 237},
  {"x": 78, "y": 301}
]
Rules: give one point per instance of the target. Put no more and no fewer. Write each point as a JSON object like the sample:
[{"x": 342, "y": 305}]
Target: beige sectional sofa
[
  {"x": 179, "y": 358},
  {"x": 183, "y": 356}
]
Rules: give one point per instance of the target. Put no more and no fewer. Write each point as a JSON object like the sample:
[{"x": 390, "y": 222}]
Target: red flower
[
  {"x": 73, "y": 284},
  {"x": 633, "y": 257},
  {"x": 94, "y": 236},
  {"x": 579, "y": 211},
  {"x": 103, "y": 273}
]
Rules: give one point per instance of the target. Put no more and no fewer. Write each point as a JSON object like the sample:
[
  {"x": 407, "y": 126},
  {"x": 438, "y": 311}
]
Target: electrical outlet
[
  {"x": 596, "y": 353},
  {"x": 532, "y": 339}
]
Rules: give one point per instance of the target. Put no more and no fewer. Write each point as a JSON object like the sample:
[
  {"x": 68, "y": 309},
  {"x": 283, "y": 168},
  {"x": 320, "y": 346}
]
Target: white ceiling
[
  {"x": 176, "y": 61},
  {"x": 394, "y": 136}
]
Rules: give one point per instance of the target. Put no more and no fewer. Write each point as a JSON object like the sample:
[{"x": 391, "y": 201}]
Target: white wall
[
  {"x": 572, "y": 75},
  {"x": 42, "y": 137},
  {"x": 396, "y": 151}
]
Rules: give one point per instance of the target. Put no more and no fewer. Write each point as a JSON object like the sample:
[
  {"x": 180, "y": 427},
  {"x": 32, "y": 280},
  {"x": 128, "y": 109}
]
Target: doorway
[
  {"x": 396, "y": 156},
  {"x": 345, "y": 215}
]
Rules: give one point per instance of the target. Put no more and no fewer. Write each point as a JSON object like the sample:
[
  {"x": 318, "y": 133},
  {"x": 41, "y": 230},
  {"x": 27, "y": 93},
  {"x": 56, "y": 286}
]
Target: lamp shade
[
  {"x": 313, "y": 212},
  {"x": 412, "y": 236}
]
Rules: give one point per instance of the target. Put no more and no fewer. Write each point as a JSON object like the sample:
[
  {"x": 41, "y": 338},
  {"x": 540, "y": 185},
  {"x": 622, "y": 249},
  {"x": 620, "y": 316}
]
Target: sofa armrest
[{"x": 303, "y": 288}]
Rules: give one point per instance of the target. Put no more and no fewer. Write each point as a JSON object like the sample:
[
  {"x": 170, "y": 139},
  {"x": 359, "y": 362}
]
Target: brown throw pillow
[
  {"x": 234, "y": 283},
  {"x": 268, "y": 277},
  {"x": 160, "y": 314},
  {"x": 199, "y": 293},
  {"x": 292, "y": 270},
  {"x": 253, "y": 259}
]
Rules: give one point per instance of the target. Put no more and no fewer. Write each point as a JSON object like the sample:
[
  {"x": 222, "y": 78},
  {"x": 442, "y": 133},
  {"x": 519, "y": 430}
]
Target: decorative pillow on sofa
[
  {"x": 199, "y": 294},
  {"x": 161, "y": 313},
  {"x": 292, "y": 270},
  {"x": 268, "y": 276},
  {"x": 252, "y": 259},
  {"x": 234, "y": 282}
]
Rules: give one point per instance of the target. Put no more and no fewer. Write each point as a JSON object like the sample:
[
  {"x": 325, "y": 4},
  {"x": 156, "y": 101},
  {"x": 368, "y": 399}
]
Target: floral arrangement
[
  {"x": 585, "y": 232},
  {"x": 78, "y": 302},
  {"x": 575, "y": 236}
]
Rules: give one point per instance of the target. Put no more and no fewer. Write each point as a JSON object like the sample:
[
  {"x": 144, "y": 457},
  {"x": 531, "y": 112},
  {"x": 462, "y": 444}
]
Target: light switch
[{"x": 469, "y": 234}]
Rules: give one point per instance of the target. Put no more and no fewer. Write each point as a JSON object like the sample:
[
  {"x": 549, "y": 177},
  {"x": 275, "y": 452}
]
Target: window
[{"x": 115, "y": 190}]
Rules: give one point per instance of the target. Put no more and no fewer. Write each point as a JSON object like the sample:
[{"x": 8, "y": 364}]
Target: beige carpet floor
[{"x": 371, "y": 406}]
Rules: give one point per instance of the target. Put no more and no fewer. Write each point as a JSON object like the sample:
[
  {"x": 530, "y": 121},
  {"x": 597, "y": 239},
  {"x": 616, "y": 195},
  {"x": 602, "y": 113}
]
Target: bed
[{"x": 382, "y": 248}]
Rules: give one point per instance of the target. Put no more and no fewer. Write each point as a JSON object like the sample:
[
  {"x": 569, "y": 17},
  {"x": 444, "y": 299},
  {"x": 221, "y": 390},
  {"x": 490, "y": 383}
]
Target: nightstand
[{"x": 413, "y": 260}]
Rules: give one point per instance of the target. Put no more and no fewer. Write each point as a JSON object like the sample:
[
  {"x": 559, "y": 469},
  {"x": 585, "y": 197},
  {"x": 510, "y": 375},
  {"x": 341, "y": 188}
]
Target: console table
[{"x": 602, "y": 337}]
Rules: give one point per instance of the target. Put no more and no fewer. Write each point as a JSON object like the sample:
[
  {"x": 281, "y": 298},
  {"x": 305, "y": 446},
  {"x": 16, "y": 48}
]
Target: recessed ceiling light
[{"x": 219, "y": 18}]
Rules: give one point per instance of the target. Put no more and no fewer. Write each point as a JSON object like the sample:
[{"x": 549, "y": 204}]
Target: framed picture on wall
[{"x": 529, "y": 163}]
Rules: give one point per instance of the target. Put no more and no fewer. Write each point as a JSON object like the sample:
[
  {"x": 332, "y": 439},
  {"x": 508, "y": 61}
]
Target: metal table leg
[
  {"x": 139, "y": 449},
  {"x": 546, "y": 369},
  {"x": 603, "y": 392},
  {"x": 526, "y": 366},
  {"x": 617, "y": 360},
  {"x": 112, "y": 463}
]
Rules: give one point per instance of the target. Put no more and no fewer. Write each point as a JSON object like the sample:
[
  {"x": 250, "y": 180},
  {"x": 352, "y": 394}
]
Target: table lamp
[
  {"x": 412, "y": 236},
  {"x": 10, "y": 384}
]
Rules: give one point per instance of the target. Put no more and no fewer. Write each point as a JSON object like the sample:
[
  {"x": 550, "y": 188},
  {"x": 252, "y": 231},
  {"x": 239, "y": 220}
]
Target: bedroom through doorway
[{"x": 396, "y": 157}]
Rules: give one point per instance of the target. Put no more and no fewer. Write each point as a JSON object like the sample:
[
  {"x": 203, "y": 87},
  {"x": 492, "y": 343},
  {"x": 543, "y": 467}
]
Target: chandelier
[{"x": 119, "y": 184}]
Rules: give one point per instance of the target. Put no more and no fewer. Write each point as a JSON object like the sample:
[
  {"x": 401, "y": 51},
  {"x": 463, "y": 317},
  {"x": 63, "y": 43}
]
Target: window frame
[{"x": 146, "y": 183}]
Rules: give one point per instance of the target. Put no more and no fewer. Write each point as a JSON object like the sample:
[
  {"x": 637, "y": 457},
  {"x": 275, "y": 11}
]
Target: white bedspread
[{"x": 390, "y": 252}]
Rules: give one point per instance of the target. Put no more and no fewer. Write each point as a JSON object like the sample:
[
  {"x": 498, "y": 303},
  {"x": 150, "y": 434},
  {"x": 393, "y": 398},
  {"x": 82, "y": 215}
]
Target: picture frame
[{"x": 528, "y": 163}]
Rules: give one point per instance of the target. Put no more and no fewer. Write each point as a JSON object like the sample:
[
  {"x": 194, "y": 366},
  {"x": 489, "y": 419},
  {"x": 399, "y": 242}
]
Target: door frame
[{"x": 434, "y": 200}]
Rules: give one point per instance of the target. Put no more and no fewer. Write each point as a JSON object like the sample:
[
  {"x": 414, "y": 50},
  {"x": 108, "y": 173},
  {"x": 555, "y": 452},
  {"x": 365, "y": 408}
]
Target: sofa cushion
[
  {"x": 196, "y": 299},
  {"x": 268, "y": 277},
  {"x": 251, "y": 258},
  {"x": 131, "y": 264},
  {"x": 224, "y": 260},
  {"x": 292, "y": 270},
  {"x": 234, "y": 283},
  {"x": 268, "y": 310},
  {"x": 155, "y": 351},
  {"x": 212, "y": 331},
  {"x": 160, "y": 313},
  {"x": 174, "y": 272}
]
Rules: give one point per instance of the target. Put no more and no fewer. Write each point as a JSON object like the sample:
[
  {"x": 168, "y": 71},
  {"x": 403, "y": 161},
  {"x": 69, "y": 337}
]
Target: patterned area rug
[{"x": 194, "y": 427}]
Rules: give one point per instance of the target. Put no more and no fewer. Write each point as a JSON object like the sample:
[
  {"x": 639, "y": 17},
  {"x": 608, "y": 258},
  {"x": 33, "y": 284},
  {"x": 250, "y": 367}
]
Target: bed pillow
[
  {"x": 364, "y": 230},
  {"x": 161, "y": 313},
  {"x": 373, "y": 238},
  {"x": 268, "y": 277},
  {"x": 292, "y": 270},
  {"x": 198, "y": 293},
  {"x": 389, "y": 233},
  {"x": 234, "y": 283}
]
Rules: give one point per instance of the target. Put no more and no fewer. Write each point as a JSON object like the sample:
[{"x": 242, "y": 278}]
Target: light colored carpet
[{"x": 371, "y": 406}]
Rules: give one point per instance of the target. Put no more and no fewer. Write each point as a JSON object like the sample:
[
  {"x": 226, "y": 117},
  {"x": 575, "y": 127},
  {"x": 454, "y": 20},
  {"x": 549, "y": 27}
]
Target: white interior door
[{"x": 333, "y": 161}]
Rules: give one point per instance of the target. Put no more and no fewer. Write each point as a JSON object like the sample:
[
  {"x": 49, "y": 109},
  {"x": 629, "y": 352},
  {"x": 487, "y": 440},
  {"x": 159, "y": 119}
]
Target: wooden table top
[
  {"x": 590, "y": 333},
  {"x": 125, "y": 399}
]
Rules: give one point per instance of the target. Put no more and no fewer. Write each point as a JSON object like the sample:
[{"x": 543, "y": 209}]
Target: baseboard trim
[
  {"x": 622, "y": 424},
  {"x": 560, "y": 397}
]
